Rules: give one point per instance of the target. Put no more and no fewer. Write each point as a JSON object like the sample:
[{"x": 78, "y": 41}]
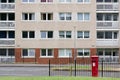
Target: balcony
[
  {"x": 107, "y": 6},
  {"x": 107, "y": 25},
  {"x": 7, "y": 42},
  {"x": 107, "y": 42},
  {"x": 7, "y": 6},
  {"x": 7, "y": 24}
]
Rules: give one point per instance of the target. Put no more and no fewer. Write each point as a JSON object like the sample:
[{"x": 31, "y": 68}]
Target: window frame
[
  {"x": 28, "y": 1},
  {"x": 32, "y": 18},
  {"x": 83, "y": 16},
  {"x": 83, "y": 52},
  {"x": 28, "y": 53},
  {"x": 65, "y": 16},
  {"x": 47, "y": 16},
  {"x": 83, "y": 35},
  {"x": 65, "y": 35},
  {"x": 28, "y": 35},
  {"x": 46, "y": 36},
  {"x": 65, "y": 53},
  {"x": 46, "y": 53}
]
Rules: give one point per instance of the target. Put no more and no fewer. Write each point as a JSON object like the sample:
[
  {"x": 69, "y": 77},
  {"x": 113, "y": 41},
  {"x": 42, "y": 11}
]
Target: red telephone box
[{"x": 94, "y": 62}]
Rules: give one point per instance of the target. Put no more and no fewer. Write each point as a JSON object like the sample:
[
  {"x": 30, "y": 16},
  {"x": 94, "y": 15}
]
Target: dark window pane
[
  {"x": 43, "y": 0},
  {"x": 50, "y": 34},
  {"x": 50, "y": 16},
  {"x": 115, "y": 35},
  {"x": 24, "y": 34},
  {"x": 25, "y": 16},
  {"x": 99, "y": 0},
  {"x": 68, "y": 34},
  {"x": 3, "y": 1},
  {"x": 24, "y": 52},
  {"x": 11, "y": 16},
  {"x": 100, "y": 35},
  {"x": 80, "y": 53},
  {"x": 11, "y": 1},
  {"x": 11, "y": 52},
  {"x": 108, "y": 35},
  {"x": 49, "y": 52},
  {"x": 31, "y": 34},
  {"x": 3, "y": 16},
  {"x": 43, "y": 52},
  {"x": 108, "y": 17},
  {"x": 2, "y": 52},
  {"x": 99, "y": 17},
  {"x": 3, "y": 34},
  {"x": 100, "y": 53},
  {"x": 107, "y": 0},
  {"x": 43, "y": 16},
  {"x": 11, "y": 34}
]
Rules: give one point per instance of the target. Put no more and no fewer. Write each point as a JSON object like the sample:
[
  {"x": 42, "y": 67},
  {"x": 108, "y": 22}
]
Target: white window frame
[
  {"x": 28, "y": 15},
  {"x": 65, "y": 35},
  {"x": 65, "y": 1},
  {"x": 47, "y": 1},
  {"x": 7, "y": 56},
  {"x": 83, "y": 16},
  {"x": 104, "y": 37},
  {"x": 83, "y": 51},
  {"x": 83, "y": 34},
  {"x": 28, "y": 33},
  {"x": 84, "y": 2},
  {"x": 47, "y": 53},
  {"x": 28, "y": 1},
  {"x": 47, "y": 16},
  {"x": 65, "y": 15},
  {"x": 46, "y": 36},
  {"x": 65, "y": 53},
  {"x": 29, "y": 50}
]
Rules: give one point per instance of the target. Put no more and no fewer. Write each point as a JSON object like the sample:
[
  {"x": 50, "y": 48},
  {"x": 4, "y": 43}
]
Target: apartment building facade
[{"x": 59, "y": 30}]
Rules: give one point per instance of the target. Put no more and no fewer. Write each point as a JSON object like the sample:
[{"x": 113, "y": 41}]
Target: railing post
[
  {"x": 75, "y": 67},
  {"x": 49, "y": 67},
  {"x": 102, "y": 68}
]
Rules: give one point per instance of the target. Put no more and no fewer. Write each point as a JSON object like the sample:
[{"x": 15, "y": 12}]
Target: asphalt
[{"x": 24, "y": 65}]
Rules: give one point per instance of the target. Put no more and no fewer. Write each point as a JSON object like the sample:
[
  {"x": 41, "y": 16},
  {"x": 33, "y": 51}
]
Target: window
[
  {"x": 83, "y": 16},
  {"x": 46, "y": 52},
  {"x": 107, "y": 16},
  {"x": 28, "y": 52},
  {"x": 28, "y": 34},
  {"x": 65, "y": 53},
  {"x": 28, "y": 16},
  {"x": 65, "y": 16},
  {"x": 107, "y": 35},
  {"x": 64, "y": 1},
  {"x": 65, "y": 34},
  {"x": 7, "y": 1},
  {"x": 46, "y": 16},
  {"x": 7, "y": 52},
  {"x": 46, "y": 34},
  {"x": 7, "y": 16},
  {"x": 83, "y": 34},
  {"x": 107, "y": 0},
  {"x": 83, "y": 1},
  {"x": 83, "y": 52},
  {"x": 46, "y": 0},
  {"x": 7, "y": 34},
  {"x": 28, "y": 1}
]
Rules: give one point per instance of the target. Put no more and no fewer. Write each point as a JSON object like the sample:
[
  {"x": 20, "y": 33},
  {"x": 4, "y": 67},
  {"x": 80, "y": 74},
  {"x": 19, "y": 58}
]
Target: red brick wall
[{"x": 55, "y": 59}]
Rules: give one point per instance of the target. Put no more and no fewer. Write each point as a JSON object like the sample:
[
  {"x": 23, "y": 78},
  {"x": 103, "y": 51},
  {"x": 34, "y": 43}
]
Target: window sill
[
  {"x": 28, "y": 57},
  {"x": 46, "y": 56},
  {"x": 83, "y": 56}
]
